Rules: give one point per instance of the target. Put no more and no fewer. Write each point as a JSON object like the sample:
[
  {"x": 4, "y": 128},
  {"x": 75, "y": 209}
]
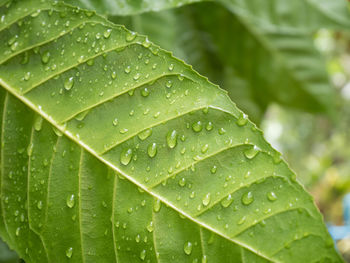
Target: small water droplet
[
  {"x": 205, "y": 148},
  {"x": 125, "y": 156},
  {"x": 213, "y": 169},
  {"x": 127, "y": 70},
  {"x": 182, "y": 182},
  {"x": 188, "y": 248},
  {"x": 150, "y": 227},
  {"x": 242, "y": 120},
  {"x": 130, "y": 36},
  {"x": 115, "y": 122},
  {"x": 45, "y": 57},
  {"x": 145, "y": 92},
  {"x": 145, "y": 134},
  {"x": 247, "y": 198},
  {"x": 271, "y": 196},
  {"x": 70, "y": 201},
  {"x": 222, "y": 131},
  {"x": 69, "y": 252},
  {"x": 252, "y": 152},
  {"x": 27, "y": 75},
  {"x": 39, "y": 205},
  {"x": 107, "y": 33},
  {"x": 206, "y": 199},
  {"x": 157, "y": 205},
  {"x": 152, "y": 150},
  {"x": 68, "y": 84},
  {"x": 171, "y": 67},
  {"x": 172, "y": 139},
  {"x": 209, "y": 126},
  {"x": 242, "y": 220},
  {"x": 143, "y": 255},
  {"x": 227, "y": 201}
]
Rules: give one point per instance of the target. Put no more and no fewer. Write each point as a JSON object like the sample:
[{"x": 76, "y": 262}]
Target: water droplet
[
  {"x": 172, "y": 139},
  {"x": 252, "y": 152},
  {"x": 18, "y": 229},
  {"x": 152, "y": 150},
  {"x": 107, "y": 33},
  {"x": 69, "y": 252},
  {"x": 39, "y": 205},
  {"x": 188, "y": 248},
  {"x": 146, "y": 43},
  {"x": 213, "y": 169},
  {"x": 127, "y": 69},
  {"x": 137, "y": 76},
  {"x": 114, "y": 75},
  {"x": 242, "y": 120},
  {"x": 145, "y": 92},
  {"x": 182, "y": 182},
  {"x": 115, "y": 122},
  {"x": 247, "y": 198},
  {"x": 242, "y": 220},
  {"x": 45, "y": 57},
  {"x": 38, "y": 123},
  {"x": 125, "y": 156},
  {"x": 204, "y": 259},
  {"x": 68, "y": 84},
  {"x": 171, "y": 67},
  {"x": 145, "y": 134},
  {"x": 70, "y": 201},
  {"x": 130, "y": 36},
  {"x": 143, "y": 255},
  {"x": 209, "y": 126},
  {"x": 197, "y": 126},
  {"x": 150, "y": 227},
  {"x": 27, "y": 75},
  {"x": 271, "y": 196},
  {"x": 206, "y": 199},
  {"x": 227, "y": 201},
  {"x": 205, "y": 148},
  {"x": 137, "y": 238},
  {"x": 157, "y": 205},
  {"x": 222, "y": 131}
]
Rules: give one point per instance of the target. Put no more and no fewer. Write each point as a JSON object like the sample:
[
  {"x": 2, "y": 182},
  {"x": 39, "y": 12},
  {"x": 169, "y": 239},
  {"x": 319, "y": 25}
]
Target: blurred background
[{"x": 284, "y": 63}]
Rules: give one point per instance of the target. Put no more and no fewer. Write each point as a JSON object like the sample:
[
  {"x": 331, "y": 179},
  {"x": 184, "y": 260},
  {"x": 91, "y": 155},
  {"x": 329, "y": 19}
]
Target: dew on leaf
[
  {"x": 125, "y": 156},
  {"x": 157, "y": 205},
  {"x": 68, "y": 84},
  {"x": 247, "y": 198},
  {"x": 152, "y": 150},
  {"x": 69, "y": 252},
  {"x": 227, "y": 201},
  {"x": 70, "y": 201},
  {"x": 197, "y": 126},
  {"x": 172, "y": 139},
  {"x": 271, "y": 196},
  {"x": 188, "y": 248},
  {"x": 145, "y": 134},
  {"x": 206, "y": 199}
]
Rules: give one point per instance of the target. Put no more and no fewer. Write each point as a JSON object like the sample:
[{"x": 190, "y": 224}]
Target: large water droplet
[
  {"x": 130, "y": 36},
  {"x": 107, "y": 33},
  {"x": 197, "y": 126},
  {"x": 70, "y": 201},
  {"x": 152, "y": 150},
  {"x": 209, "y": 126},
  {"x": 145, "y": 92},
  {"x": 125, "y": 156},
  {"x": 247, "y": 198},
  {"x": 172, "y": 138},
  {"x": 68, "y": 84},
  {"x": 188, "y": 248}
]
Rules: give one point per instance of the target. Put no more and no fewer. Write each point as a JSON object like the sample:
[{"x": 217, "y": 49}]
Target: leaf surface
[{"x": 115, "y": 151}]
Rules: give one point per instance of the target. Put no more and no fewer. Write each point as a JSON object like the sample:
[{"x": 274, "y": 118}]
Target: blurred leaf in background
[{"x": 7, "y": 255}]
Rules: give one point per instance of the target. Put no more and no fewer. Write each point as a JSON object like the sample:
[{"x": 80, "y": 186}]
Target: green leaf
[
  {"x": 112, "y": 150},
  {"x": 268, "y": 67}
]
